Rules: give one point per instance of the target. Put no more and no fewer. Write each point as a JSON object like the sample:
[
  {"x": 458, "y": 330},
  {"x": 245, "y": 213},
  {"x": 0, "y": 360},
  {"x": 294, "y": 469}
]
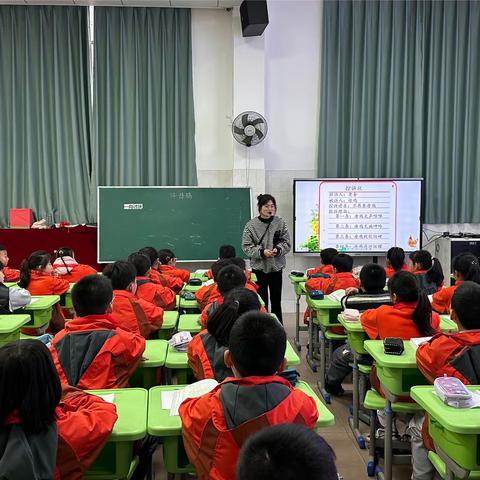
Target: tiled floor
[{"x": 351, "y": 460}]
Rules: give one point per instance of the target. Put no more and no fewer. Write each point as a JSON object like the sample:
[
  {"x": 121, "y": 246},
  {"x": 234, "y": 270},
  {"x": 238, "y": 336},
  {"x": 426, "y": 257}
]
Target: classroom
[{"x": 239, "y": 240}]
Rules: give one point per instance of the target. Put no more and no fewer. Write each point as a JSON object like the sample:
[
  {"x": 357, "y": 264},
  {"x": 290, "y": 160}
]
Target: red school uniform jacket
[
  {"x": 93, "y": 353},
  {"x": 452, "y": 354},
  {"x": 84, "y": 423},
  {"x": 209, "y": 293},
  {"x": 389, "y": 271},
  {"x": 155, "y": 293},
  {"x": 325, "y": 269},
  {"x": 216, "y": 425},
  {"x": 66, "y": 448},
  {"x": 135, "y": 314},
  {"x": 393, "y": 321},
  {"x": 77, "y": 272},
  {"x": 442, "y": 299},
  {"x": 337, "y": 281},
  {"x": 205, "y": 358},
  {"x": 173, "y": 283},
  {"x": 10, "y": 274},
  {"x": 176, "y": 272},
  {"x": 42, "y": 283}
]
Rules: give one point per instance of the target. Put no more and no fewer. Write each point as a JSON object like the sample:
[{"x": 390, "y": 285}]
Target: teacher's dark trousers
[{"x": 271, "y": 281}]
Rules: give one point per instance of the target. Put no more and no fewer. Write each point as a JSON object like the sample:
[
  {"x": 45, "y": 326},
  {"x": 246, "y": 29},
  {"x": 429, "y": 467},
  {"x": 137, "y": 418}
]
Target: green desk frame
[
  {"x": 116, "y": 458},
  {"x": 10, "y": 327},
  {"x": 40, "y": 311},
  {"x": 298, "y": 284}
]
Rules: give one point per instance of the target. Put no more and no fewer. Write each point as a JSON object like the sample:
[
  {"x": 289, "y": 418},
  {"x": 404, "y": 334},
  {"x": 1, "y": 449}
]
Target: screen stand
[{"x": 375, "y": 259}]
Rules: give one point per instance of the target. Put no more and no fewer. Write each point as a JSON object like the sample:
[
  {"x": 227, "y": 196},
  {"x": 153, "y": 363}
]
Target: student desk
[
  {"x": 355, "y": 338},
  {"x": 188, "y": 305},
  {"x": 178, "y": 361},
  {"x": 319, "y": 333},
  {"x": 455, "y": 432},
  {"x": 11, "y": 284},
  {"x": 298, "y": 284},
  {"x": 40, "y": 311},
  {"x": 161, "y": 424},
  {"x": 170, "y": 318},
  {"x": 66, "y": 298},
  {"x": 397, "y": 374},
  {"x": 189, "y": 322},
  {"x": 115, "y": 460},
  {"x": 10, "y": 327},
  {"x": 153, "y": 357},
  {"x": 192, "y": 288}
]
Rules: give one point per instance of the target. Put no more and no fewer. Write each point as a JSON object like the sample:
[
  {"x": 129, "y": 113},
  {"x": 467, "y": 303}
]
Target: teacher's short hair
[{"x": 264, "y": 198}]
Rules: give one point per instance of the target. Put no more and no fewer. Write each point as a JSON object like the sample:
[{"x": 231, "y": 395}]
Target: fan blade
[
  {"x": 259, "y": 133},
  {"x": 245, "y": 120},
  {"x": 257, "y": 121},
  {"x": 237, "y": 130}
]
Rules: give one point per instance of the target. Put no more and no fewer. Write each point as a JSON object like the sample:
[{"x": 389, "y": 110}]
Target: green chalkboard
[{"x": 191, "y": 221}]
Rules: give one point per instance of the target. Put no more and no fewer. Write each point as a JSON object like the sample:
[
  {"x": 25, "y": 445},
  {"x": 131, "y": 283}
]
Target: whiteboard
[{"x": 361, "y": 216}]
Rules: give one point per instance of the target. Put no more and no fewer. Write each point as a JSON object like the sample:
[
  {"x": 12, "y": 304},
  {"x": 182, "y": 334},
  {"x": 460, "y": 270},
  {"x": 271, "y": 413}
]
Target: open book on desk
[
  {"x": 194, "y": 390},
  {"x": 415, "y": 342},
  {"x": 337, "y": 295}
]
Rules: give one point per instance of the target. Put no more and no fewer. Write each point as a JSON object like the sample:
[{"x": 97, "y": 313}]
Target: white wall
[
  {"x": 212, "y": 57},
  {"x": 288, "y": 82}
]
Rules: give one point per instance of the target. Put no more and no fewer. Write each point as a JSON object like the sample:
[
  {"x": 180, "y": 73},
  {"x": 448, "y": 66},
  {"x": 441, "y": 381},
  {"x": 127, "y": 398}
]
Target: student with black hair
[
  {"x": 370, "y": 295},
  {"x": 106, "y": 355},
  {"x": 11, "y": 274},
  {"x": 395, "y": 261},
  {"x": 66, "y": 267},
  {"x": 450, "y": 354},
  {"x": 465, "y": 268},
  {"x": 427, "y": 270},
  {"x": 209, "y": 292},
  {"x": 173, "y": 283},
  {"x": 342, "y": 277},
  {"x": 36, "y": 276},
  {"x": 229, "y": 277},
  {"x": 240, "y": 406},
  {"x": 46, "y": 431},
  {"x": 410, "y": 315},
  {"x": 148, "y": 290},
  {"x": 326, "y": 267},
  {"x": 129, "y": 312},
  {"x": 286, "y": 452},
  {"x": 12, "y": 299},
  {"x": 226, "y": 251},
  {"x": 205, "y": 351},
  {"x": 168, "y": 265}
]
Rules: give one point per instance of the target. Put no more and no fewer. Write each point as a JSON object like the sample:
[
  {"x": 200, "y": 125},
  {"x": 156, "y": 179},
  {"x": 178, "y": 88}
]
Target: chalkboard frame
[{"x": 101, "y": 258}]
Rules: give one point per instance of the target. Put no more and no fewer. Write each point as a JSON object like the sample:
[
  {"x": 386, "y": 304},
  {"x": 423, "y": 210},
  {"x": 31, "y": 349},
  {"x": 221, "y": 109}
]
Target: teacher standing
[{"x": 266, "y": 241}]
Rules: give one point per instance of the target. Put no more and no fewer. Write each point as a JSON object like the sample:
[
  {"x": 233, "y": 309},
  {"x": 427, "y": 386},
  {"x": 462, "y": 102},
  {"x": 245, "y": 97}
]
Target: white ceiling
[{"x": 132, "y": 3}]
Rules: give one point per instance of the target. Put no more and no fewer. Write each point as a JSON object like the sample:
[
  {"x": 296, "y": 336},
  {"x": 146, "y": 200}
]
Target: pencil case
[
  {"x": 452, "y": 392},
  {"x": 296, "y": 273},
  {"x": 316, "y": 295},
  {"x": 319, "y": 275},
  {"x": 393, "y": 346},
  {"x": 195, "y": 282}
]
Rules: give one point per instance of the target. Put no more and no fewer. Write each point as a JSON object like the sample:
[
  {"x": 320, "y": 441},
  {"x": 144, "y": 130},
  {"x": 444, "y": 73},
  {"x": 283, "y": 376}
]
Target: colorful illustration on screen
[
  {"x": 412, "y": 242},
  {"x": 311, "y": 243}
]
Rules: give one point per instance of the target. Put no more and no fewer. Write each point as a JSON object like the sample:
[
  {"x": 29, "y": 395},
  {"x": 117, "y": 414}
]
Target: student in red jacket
[
  {"x": 229, "y": 277},
  {"x": 11, "y": 275},
  {"x": 326, "y": 267},
  {"x": 148, "y": 290},
  {"x": 224, "y": 251},
  {"x": 205, "y": 351},
  {"x": 209, "y": 292},
  {"x": 428, "y": 271},
  {"x": 36, "y": 276},
  {"x": 173, "y": 283},
  {"x": 129, "y": 312},
  {"x": 342, "y": 277},
  {"x": 216, "y": 425},
  {"x": 465, "y": 267},
  {"x": 410, "y": 315},
  {"x": 168, "y": 263},
  {"x": 286, "y": 452},
  {"x": 452, "y": 354},
  {"x": 46, "y": 432},
  {"x": 395, "y": 261},
  {"x": 66, "y": 267},
  {"x": 92, "y": 352}
]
